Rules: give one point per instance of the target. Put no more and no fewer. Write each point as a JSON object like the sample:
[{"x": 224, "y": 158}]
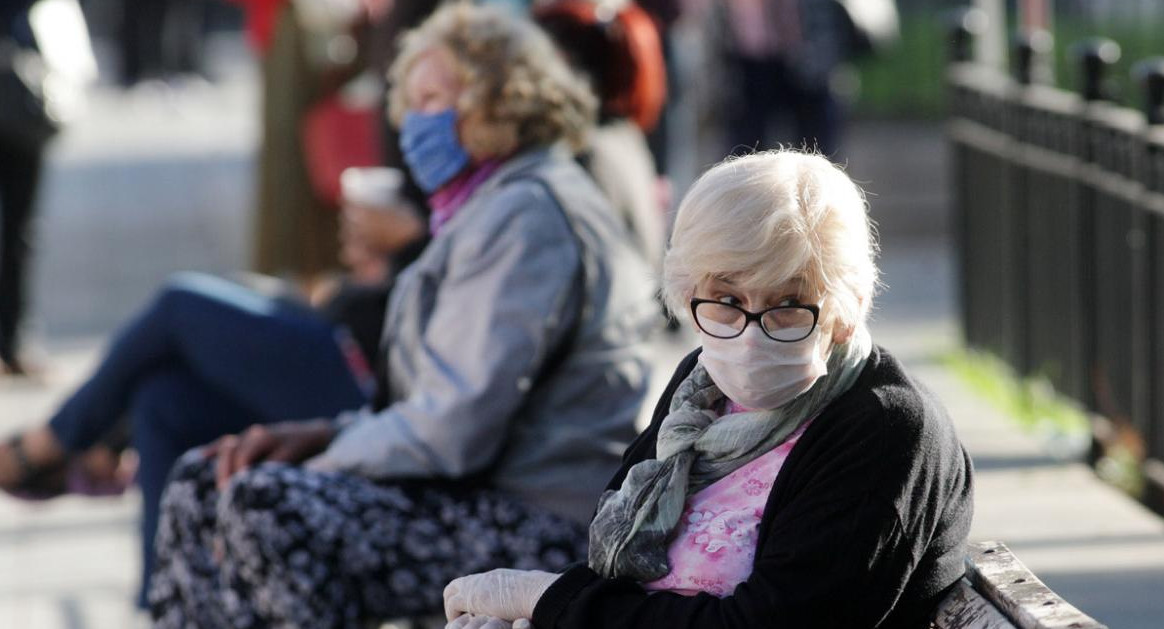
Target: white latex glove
[
  {"x": 469, "y": 621},
  {"x": 504, "y": 594}
]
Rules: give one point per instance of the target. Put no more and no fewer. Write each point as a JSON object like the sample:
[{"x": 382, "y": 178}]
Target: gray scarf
[{"x": 696, "y": 447}]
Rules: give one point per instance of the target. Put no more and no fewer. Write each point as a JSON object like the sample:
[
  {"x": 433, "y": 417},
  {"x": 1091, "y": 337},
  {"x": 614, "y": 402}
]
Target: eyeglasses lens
[
  {"x": 788, "y": 324},
  {"x": 719, "y": 320}
]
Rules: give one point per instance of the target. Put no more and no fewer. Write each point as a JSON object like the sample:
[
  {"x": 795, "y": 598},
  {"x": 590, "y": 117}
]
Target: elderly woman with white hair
[{"x": 793, "y": 475}]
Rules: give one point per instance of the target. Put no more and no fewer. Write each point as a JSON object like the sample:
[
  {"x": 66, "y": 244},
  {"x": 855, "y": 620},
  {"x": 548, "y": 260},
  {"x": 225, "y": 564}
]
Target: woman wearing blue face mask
[
  {"x": 510, "y": 377},
  {"x": 513, "y": 372},
  {"x": 789, "y": 463}
]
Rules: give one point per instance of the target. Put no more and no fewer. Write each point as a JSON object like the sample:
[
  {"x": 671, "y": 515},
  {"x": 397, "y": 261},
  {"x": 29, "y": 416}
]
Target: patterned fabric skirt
[{"x": 284, "y": 546}]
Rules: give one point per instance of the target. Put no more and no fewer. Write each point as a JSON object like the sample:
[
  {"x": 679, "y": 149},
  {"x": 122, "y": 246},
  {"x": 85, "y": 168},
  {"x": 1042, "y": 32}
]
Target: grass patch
[
  {"x": 1060, "y": 423},
  {"x": 1121, "y": 468},
  {"x": 1063, "y": 427}
]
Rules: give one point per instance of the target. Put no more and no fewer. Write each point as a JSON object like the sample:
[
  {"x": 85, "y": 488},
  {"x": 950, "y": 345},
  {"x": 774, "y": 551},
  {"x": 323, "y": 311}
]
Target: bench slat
[
  {"x": 1003, "y": 580},
  {"x": 963, "y": 608}
]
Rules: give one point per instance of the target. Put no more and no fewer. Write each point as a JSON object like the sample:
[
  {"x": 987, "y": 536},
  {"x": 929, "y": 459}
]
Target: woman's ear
[
  {"x": 842, "y": 334},
  {"x": 483, "y": 140}
]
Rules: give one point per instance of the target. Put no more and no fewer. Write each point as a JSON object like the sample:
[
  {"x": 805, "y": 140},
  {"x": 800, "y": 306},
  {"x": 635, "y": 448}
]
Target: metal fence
[{"x": 1060, "y": 217}]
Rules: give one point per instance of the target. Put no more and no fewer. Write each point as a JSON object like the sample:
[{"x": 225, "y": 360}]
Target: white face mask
[{"x": 757, "y": 372}]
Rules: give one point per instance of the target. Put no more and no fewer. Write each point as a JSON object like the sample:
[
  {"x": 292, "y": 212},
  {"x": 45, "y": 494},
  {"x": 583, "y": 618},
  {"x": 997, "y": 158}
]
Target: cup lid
[{"x": 373, "y": 186}]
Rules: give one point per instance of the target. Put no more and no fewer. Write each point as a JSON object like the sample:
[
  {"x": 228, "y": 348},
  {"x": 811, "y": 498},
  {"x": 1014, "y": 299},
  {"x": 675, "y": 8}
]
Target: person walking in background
[
  {"x": 790, "y": 462},
  {"x": 665, "y": 14},
  {"x": 161, "y": 38},
  {"x": 295, "y": 231},
  {"x": 782, "y": 57},
  {"x": 373, "y": 239},
  {"x": 21, "y": 162}
]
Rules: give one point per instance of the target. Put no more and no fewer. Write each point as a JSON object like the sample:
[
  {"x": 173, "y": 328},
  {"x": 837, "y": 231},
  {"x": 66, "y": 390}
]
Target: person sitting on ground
[
  {"x": 793, "y": 473},
  {"x": 491, "y": 367},
  {"x": 512, "y": 376}
]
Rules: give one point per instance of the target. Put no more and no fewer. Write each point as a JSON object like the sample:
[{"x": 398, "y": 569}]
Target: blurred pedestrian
[
  {"x": 21, "y": 162},
  {"x": 782, "y": 59},
  {"x": 358, "y": 300},
  {"x": 665, "y": 14},
  {"x": 161, "y": 38},
  {"x": 295, "y": 230},
  {"x": 314, "y": 54}
]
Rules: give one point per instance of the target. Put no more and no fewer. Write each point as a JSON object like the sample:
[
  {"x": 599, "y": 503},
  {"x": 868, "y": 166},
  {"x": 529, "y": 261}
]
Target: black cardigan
[{"x": 865, "y": 525}]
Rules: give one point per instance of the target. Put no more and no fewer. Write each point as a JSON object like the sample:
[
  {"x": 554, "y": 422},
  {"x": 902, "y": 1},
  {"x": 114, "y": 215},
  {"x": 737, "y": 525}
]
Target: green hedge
[{"x": 907, "y": 80}]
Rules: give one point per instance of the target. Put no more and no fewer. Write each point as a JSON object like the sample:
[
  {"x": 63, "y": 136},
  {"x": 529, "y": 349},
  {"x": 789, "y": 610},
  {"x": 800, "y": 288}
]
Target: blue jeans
[{"x": 207, "y": 358}]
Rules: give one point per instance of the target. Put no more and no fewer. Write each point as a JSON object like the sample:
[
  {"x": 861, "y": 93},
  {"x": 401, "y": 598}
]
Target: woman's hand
[
  {"x": 469, "y": 621},
  {"x": 502, "y": 594},
  {"x": 369, "y": 236},
  {"x": 365, "y": 265},
  {"x": 287, "y": 442},
  {"x": 386, "y": 230}
]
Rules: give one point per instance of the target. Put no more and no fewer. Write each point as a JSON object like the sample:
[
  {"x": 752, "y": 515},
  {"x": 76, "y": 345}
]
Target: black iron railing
[{"x": 1060, "y": 217}]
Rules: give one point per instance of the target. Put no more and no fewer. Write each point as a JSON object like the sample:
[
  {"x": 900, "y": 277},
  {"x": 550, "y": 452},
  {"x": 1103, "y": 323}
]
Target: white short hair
[{"x": 770, "y": 217}]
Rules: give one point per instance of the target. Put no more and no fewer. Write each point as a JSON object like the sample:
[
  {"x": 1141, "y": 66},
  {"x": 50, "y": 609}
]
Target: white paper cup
[{"x": 371, "y": 187}]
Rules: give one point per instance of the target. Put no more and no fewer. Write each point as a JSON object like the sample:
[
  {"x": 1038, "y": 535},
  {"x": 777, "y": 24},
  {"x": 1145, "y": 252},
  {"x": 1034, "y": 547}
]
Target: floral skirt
[{"x": 285, "y": 546}]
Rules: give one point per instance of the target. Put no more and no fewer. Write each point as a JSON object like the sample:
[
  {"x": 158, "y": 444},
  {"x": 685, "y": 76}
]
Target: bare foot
[
  {"x": 104, "y": 466},
  {"x": 10, "y": 470}
]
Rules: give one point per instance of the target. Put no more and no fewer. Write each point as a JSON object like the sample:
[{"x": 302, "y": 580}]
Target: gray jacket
[{"x": 472, "y": 322}]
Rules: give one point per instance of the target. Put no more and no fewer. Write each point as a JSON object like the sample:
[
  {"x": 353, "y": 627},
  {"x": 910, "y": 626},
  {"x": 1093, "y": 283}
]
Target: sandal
[
  {"x": 44, "y": 482},
  {"x": 35, "y": 482}
]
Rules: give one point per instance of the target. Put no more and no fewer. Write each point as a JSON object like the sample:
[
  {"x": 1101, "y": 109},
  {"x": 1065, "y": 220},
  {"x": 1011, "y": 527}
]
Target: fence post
[
  {"x": 1095, "y": 57},
  {"x": 965, "y": 25},
  {"x": 1032, "y": 58},
  {"x": 1013, "y": 227},
  {"x": 1040, "y": 211},
  {"x": 1150, "y": 74},
  {"x": 1022, "y": 224},
  {"x": 962, "y": 24}
]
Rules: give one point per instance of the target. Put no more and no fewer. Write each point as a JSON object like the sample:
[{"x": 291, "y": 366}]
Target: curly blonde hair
[{"x": 515, "y": 80}]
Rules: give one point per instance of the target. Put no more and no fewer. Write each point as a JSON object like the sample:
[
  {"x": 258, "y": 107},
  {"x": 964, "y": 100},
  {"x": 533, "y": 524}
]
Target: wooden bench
[{"x": 999, "y": 592}]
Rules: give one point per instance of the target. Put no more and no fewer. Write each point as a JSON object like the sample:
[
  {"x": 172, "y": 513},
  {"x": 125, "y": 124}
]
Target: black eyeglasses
[{"x": 786, "y": 324}]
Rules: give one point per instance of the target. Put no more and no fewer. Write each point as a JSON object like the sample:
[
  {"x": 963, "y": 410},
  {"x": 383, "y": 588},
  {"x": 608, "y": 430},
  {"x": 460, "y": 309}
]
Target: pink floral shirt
[{"x": 715, "y": 543}]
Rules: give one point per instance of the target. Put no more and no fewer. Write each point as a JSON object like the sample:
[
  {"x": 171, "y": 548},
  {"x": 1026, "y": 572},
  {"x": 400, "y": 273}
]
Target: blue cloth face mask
[{"x": 431, "y": 148}]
